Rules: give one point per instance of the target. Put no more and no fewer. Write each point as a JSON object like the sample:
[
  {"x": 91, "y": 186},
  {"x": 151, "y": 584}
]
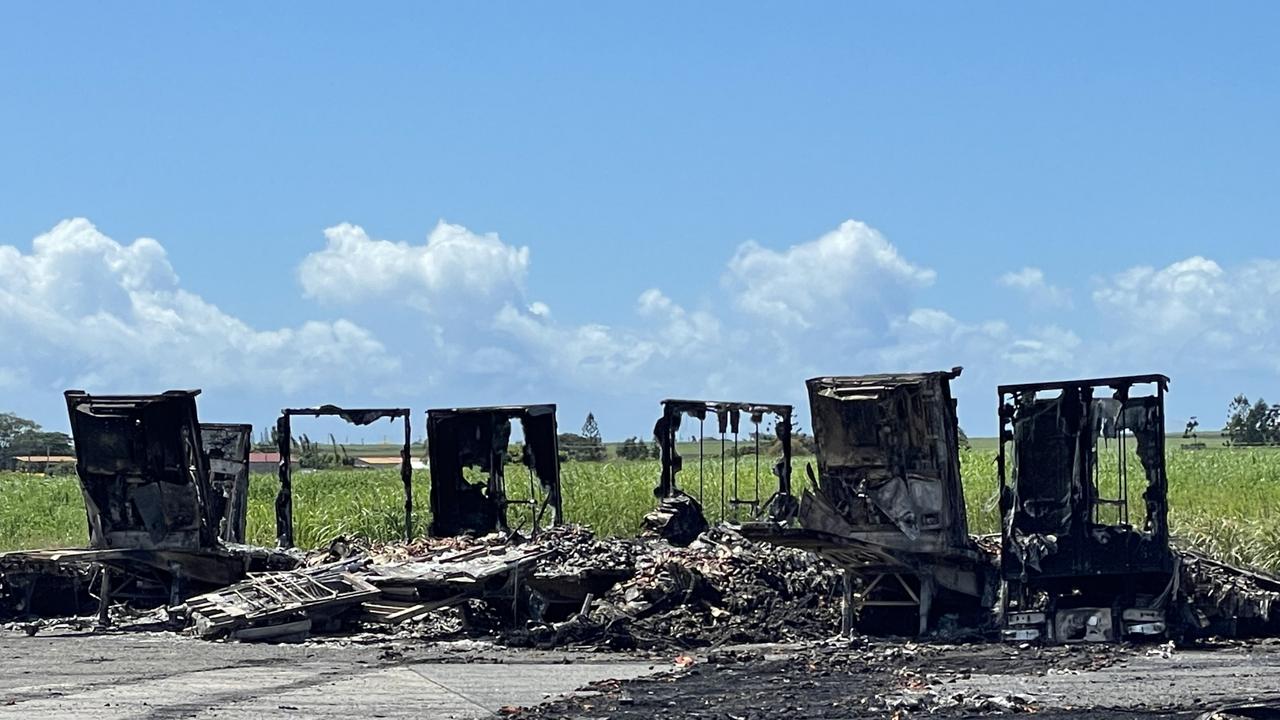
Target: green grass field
[{"x": 1222, "y": 500}]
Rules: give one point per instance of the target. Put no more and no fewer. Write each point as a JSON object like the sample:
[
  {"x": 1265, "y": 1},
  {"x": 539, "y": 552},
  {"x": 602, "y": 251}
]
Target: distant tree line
[
  {"x": 20, "y": 437},
  {"x": 1252, "y": 423}
]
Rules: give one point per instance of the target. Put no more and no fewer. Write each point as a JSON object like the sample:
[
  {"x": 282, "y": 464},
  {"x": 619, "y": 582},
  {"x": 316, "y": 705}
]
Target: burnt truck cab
[
  {"x": 1076, "y": 564},
  {"x": 887, "y": 504},
  {"x": 165, "y": 512},
  {"x": 143, "y": 471}
]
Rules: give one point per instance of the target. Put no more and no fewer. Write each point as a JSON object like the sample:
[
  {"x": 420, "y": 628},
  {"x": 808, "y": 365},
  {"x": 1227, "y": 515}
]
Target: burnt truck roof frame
[
  {"x": 1053, "y": 505},
  {"x": 138, "y": 494},
  {"x": 459, "y": 506},
  {"x": 355, "y": 416},
  {"x": 728, "y": 417}
]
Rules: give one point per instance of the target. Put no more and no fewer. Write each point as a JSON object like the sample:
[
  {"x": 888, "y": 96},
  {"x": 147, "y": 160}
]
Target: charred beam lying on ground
[
  {"x": 464, "y": 438},
  {"x": 355, "y": 416},
  {"x": 680, "y": 515}
]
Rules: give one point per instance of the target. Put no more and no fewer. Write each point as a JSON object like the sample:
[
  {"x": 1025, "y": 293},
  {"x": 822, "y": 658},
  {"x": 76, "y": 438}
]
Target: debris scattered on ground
[
  {"x": 565, "y": 587},
  {"x": 721, "y": 589},
  {"x": 677, "y": 519},
  {"x": 1228, "y": 600}
]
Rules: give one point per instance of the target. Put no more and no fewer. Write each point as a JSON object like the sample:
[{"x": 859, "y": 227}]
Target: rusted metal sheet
[
  {"x": 479, "y": 438},
  {"x": 227, "y": 446},
  {"x": 355, "y": 416}
]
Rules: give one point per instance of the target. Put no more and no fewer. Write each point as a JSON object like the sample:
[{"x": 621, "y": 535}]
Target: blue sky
[{"x": 1036, "y": 192}]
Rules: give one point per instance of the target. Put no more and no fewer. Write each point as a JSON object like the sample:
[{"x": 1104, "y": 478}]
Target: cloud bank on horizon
[{"x": 451, "y": 321}]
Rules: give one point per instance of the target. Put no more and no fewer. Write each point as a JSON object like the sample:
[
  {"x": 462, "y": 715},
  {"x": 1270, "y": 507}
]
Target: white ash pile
[{"x": 720, "y": 589}]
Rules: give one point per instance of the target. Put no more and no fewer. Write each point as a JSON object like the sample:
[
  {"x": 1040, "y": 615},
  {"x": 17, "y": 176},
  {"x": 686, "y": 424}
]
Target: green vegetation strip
[{"x": 1223, "y": 501}]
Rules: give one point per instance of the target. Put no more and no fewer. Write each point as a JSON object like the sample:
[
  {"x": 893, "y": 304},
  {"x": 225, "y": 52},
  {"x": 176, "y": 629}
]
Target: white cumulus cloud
[
  {"x": 846, "y": 275},
  {"x": 1030, "y": 281},
  {"x": 454, "y": 264},
  {"x": 83, "y": 309},
  {"x": 1198, "y": 311}
]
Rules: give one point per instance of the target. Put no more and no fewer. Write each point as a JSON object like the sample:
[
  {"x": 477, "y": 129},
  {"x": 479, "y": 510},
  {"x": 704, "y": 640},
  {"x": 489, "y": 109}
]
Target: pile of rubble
[
  {"x": 565, "y": 587},
  {"x": 720, "y": 589},
  {"x": 1227, "y": 600}
]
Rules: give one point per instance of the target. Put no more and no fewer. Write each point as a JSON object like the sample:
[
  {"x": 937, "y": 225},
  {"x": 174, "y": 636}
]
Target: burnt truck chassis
[
  {"x": 355, "y": 416},
  {"x": 887, "y": 504},
  {"x": 1075, "y": 566},
  {"x": 161, "y": 524},
  {"x": 479, "y": 437}
]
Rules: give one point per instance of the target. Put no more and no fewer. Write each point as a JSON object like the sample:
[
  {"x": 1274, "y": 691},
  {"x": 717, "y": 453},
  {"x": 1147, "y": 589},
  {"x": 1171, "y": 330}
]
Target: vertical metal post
[
  {"x": 784, "y": 435},
  {"x": 722, "y": 464},
  {"x": 702, "y": 434},
  {"x": 406, "y": 476},
  {"x": 755, "y": 508},
  {"x": 846, "y": 605},
  {"x": 926, "y": 601},
  {"x": 104, "y": 597},
  {"x": 737, "y": 496},
  {"x": 284, "y": 499}
]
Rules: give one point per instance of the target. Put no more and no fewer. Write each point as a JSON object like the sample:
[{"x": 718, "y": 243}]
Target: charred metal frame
[
  {"x": 227, "y": 447},
  {"x": 142, "y": 470},
  {"x": 149, "y": 500},
  {"x": 888, "y": 458},
  {"x": 887, "y": 504},
  {"x": 355, "y": 416},
  {"x": 728, "y": 420},
  {"x": 1052, "y": 526},
  {"x": 478, "y": 437}
]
